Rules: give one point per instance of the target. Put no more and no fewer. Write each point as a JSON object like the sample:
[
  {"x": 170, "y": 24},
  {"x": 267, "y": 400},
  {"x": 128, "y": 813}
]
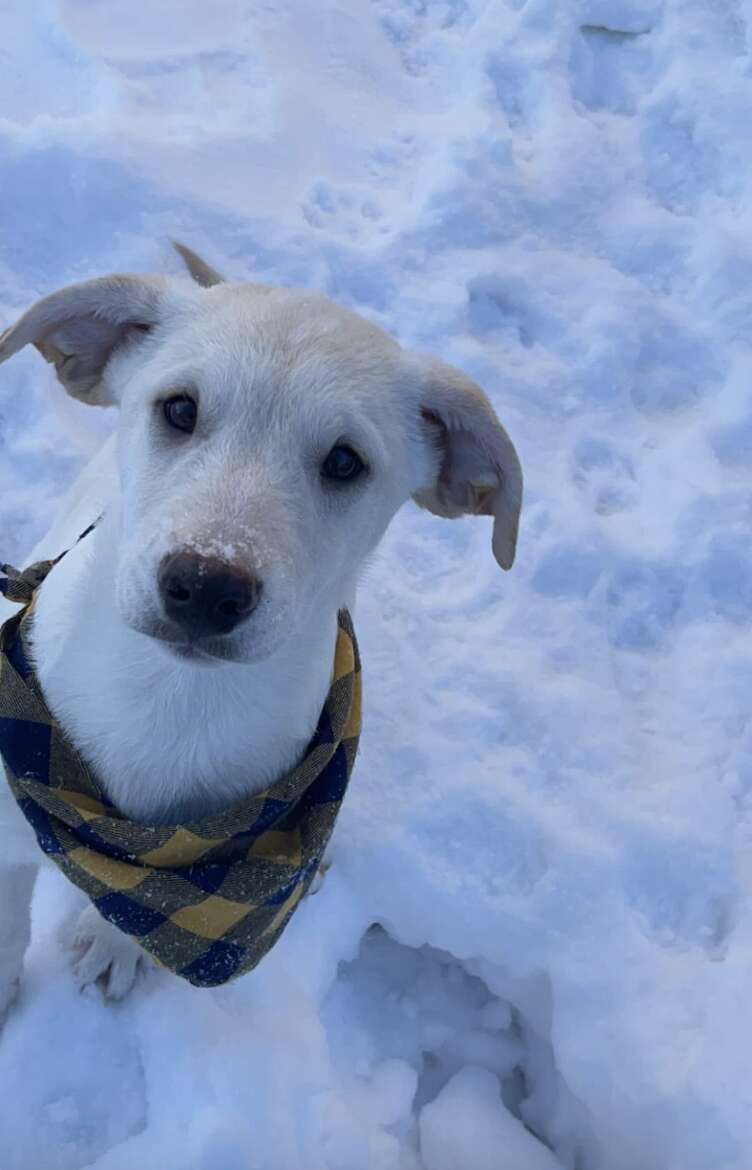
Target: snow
[
  {"x": 533, "y": 948},
  {"x": 468, "y": 1104}
]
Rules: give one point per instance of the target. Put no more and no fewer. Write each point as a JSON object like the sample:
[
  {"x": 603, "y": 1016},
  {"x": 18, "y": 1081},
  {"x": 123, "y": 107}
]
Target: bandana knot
[{"x": 20, "y": 585}]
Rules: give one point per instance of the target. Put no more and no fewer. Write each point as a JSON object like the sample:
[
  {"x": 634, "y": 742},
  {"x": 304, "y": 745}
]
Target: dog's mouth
[
  {"x": 185, "y": 652},
  {"x": 212, "y": 651}
]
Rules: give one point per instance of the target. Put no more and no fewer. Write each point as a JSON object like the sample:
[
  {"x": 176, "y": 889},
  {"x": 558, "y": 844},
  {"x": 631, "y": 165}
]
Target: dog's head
[{"x": 266, "y": 438}]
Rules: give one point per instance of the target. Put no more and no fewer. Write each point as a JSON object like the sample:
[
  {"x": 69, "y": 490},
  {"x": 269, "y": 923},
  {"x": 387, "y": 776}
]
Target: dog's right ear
[{"x": 79, "y": 328}]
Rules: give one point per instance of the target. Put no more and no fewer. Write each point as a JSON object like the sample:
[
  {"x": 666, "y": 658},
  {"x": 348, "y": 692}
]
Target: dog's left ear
[{"x": 479, "y": 472}]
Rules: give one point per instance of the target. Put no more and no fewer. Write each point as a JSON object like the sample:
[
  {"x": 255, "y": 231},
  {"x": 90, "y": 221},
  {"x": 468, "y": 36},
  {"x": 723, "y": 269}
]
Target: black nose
[{"x": 204, "y": 595}]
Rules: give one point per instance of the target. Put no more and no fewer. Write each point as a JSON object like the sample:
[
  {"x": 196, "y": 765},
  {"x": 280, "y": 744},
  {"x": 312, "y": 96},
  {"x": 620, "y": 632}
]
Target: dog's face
[
  {"x": 266, "y": 439},
  {"x": 266, "y": 433}
]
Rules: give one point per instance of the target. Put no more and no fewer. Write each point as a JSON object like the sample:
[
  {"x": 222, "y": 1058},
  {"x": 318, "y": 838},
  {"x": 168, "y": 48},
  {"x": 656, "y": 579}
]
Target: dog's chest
[
  {"x": 169, "y": 742},
  {"x": 166, "y": 750}
]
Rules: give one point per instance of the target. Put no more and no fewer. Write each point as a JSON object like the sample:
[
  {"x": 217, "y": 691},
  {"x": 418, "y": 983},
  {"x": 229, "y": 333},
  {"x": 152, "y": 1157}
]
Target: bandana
[{"x": 207, "y": 899}]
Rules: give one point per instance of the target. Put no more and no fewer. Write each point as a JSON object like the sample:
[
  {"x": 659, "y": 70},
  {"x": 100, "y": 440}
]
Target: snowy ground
[{"x": 551, "y": 820}]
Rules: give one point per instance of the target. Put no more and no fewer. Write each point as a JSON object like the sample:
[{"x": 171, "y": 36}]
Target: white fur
[{"x": 280, "y": 377}]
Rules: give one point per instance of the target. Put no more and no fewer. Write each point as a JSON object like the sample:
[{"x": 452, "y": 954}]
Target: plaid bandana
[{"x": 206, "y": 899}]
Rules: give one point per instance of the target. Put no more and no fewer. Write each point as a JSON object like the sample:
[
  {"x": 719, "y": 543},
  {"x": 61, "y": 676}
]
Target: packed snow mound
[{"x": 534, "y": 946}]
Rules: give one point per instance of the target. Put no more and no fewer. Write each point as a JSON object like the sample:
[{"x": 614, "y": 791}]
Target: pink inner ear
[{"x": 467, "y": 476}]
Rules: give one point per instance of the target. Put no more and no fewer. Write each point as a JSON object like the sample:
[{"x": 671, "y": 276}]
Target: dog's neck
[{"x": 169, "y": 741}]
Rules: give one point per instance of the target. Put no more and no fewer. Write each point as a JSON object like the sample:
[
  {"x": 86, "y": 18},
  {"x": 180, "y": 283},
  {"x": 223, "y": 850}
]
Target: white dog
[{"x": 266, "y": 438}]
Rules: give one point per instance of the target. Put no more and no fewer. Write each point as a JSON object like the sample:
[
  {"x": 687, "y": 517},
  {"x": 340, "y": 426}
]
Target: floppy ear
[
  {"x": 79, "y": 328},
  {"x": 201, "y": 272},
  {"x": 479, "y": 471}
]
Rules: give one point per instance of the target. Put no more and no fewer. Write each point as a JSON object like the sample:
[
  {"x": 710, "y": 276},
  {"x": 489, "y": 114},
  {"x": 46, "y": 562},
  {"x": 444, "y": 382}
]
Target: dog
[{"x": 266, "y": 438}]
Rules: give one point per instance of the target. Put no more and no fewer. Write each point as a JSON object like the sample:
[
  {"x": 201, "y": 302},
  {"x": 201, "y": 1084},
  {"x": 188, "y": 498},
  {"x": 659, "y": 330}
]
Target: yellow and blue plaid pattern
[{"x": 206, "y": 899}]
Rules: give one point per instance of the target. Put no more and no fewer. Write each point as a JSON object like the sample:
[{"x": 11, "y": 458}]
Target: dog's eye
[
  {"x": 180, "y": 412},
  {"x": 342, "y": 464}
]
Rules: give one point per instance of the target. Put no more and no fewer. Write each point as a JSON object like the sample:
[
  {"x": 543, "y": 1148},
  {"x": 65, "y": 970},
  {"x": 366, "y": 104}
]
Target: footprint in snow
[
  {"x": 353, "y": 214},
  {"x": 611, "y": 69},
  {"x": 643, "y": 602},
  {"x": 605, "y": 474}
]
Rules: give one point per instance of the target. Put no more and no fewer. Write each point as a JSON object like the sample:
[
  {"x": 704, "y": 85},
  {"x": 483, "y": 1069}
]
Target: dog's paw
[{"x": 104, "y": 955}]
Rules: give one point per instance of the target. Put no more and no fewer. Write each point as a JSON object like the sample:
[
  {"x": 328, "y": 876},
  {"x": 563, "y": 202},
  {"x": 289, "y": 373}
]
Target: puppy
[{"x": 266, "y": 438}]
